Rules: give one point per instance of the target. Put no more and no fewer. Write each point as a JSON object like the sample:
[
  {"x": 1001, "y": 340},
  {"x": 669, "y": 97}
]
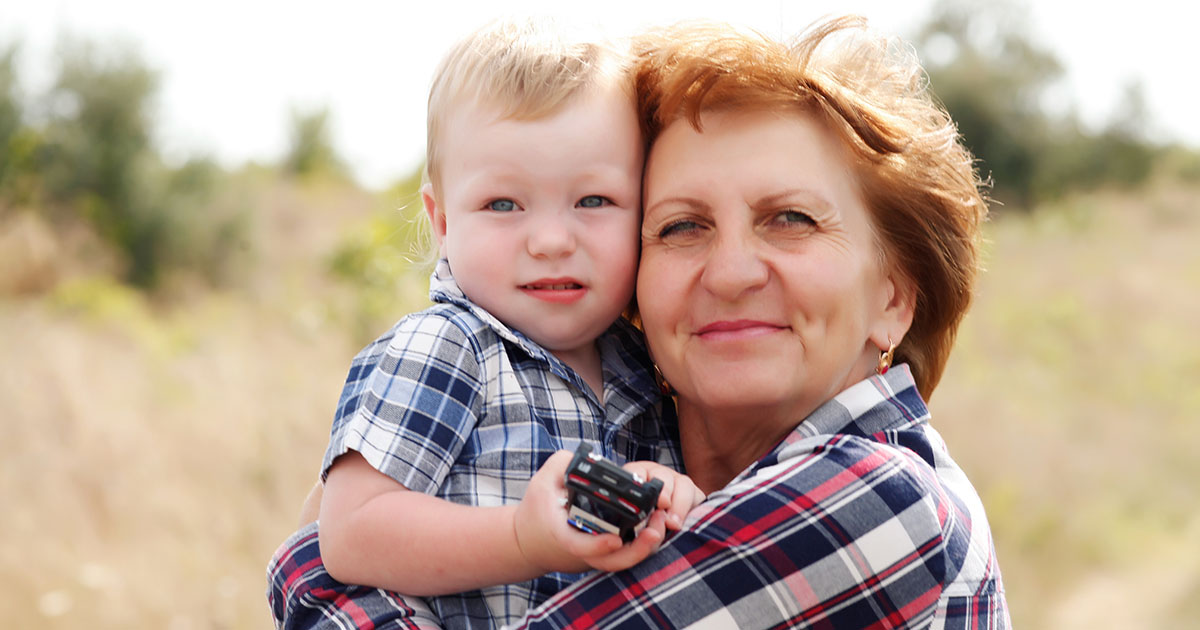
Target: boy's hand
[
  {"x": 548, "y": 542},
  {"x": 679, "y": 494}
]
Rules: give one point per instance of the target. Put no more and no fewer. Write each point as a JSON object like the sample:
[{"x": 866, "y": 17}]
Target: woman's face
[{"x": 761, "y": 285}]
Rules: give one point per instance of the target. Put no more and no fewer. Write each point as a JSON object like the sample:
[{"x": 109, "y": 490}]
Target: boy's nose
[{"x": 550, "y": 237}]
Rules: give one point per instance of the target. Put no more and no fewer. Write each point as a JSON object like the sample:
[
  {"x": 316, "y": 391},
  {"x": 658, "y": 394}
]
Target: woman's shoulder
[
  {"x": 881, "y": 478},
  {"x": 895, "y": 500}
]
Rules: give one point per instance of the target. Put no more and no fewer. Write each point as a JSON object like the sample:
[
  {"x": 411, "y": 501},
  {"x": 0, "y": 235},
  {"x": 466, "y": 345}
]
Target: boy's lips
[{"x": 557, "y": 290}]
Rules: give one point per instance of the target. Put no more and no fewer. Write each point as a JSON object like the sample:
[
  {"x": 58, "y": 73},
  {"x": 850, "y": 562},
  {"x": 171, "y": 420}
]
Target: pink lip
[
  {"x": 737, "y": 329},
  {"x": 555, "y": 290}
]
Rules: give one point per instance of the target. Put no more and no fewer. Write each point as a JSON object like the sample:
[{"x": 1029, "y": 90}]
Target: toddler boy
[{"x": 534, "y": 164}]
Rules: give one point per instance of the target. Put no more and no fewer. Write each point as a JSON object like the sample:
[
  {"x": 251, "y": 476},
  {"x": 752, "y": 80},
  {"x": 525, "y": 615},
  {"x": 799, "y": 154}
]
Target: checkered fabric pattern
[
  {"x": 453, "y": 403},
  {"x": 859, "y": 519}
]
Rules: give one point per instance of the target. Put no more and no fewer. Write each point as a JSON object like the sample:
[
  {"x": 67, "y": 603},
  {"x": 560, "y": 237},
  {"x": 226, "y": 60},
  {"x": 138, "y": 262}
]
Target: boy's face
[{"x": 540, "y": 219}]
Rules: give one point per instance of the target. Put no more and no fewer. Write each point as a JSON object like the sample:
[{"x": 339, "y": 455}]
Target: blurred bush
[
  {"x": 310, "y": 147},
  {"x": 998, "y": 85},
  {"x": 387, "y": 259},
  {"x": 87, "y": 155}
]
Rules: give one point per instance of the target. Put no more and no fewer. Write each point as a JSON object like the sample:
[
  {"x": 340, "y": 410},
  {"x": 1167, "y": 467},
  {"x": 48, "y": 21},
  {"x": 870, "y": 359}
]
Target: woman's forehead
[{"x": 772, "y": 149}]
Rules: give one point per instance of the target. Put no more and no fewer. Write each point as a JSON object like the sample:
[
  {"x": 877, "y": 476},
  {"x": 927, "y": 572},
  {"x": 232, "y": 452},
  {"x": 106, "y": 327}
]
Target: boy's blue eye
[
  {"x": 502, "y": 205},
  {"x": 592, "y": 201}
]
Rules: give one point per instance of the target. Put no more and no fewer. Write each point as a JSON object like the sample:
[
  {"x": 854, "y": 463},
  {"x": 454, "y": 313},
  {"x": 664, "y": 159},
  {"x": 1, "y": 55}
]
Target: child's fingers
[
  {"x": 668, "y": 490},
  {"x": 585, "y": 546},
  {"x": 639, "y": 549},
  {"x": 685, "y": 496},
  {"x": 652, "y": 470}
]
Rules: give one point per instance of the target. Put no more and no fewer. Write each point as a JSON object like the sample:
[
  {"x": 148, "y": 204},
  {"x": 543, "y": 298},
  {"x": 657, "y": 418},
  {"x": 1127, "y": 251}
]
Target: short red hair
[{"x": 917, "y": 179}]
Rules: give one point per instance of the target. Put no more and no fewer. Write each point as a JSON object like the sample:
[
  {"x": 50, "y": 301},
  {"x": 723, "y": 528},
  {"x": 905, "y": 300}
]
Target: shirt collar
[
  {"x": 870, "y": 407},
  {"x": 443, "y": 288},
  {"x": 624, "y": 359}
]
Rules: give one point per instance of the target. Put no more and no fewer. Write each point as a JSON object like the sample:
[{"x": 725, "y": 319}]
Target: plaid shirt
[
  {"x": 858, "y": 519},
  {"x": 453, "y": 403}
]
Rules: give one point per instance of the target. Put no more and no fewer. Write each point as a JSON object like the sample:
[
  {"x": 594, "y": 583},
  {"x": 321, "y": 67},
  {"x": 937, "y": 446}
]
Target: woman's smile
[{"x": 738, "y": 330}]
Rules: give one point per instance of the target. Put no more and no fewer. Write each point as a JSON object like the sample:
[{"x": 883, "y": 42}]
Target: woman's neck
[{"x": 718, "y": 444}]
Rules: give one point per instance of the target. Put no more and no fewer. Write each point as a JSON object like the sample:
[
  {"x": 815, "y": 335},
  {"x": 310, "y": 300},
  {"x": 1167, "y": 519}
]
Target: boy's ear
[{"x": 437, "y": 217}]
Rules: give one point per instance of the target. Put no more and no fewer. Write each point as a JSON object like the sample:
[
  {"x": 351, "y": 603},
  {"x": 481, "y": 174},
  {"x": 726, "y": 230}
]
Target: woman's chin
[{"x": 741, "y": 393}]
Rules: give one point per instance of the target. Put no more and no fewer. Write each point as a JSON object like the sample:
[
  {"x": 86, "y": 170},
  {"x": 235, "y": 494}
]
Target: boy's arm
[{"x": 376, "y": 532}]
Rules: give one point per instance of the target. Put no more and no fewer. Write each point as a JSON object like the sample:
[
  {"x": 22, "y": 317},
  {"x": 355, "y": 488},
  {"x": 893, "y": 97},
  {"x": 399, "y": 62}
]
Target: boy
[{"x": 534, "y": 181}]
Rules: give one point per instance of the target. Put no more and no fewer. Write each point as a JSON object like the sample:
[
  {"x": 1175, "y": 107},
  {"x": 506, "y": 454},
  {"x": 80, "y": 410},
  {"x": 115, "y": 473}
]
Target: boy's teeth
[{"x": 553, "y": 287}]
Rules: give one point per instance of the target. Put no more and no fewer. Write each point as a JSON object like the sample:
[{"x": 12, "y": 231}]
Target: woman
[{"x": 810, "y": 217}]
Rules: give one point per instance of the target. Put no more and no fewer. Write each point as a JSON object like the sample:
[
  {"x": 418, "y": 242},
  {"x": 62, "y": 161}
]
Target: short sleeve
[{"x": 411, "y": 400}]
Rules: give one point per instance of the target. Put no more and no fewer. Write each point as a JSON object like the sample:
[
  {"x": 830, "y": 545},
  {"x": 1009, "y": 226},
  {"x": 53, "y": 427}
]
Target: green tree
[
  {"x": 10, "y": 111},
  {"x": 17, "y": 142},
  {"x": 97, "y": 155},
  {"x": 310, "y": 147},
  {"x": 992, "y": 78},
  {"x": 97, "y": 161}
]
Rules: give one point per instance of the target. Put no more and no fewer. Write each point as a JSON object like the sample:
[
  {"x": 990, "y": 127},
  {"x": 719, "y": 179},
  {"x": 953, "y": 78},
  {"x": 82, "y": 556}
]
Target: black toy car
[{"x": 605, "y": 498}]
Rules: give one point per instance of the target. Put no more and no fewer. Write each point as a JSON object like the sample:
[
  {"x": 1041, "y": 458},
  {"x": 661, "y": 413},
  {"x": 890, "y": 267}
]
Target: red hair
[{"x": 917, "y": 179}]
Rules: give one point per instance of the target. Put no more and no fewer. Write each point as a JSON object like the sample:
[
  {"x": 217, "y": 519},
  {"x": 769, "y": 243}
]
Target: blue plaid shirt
[
  {"x": 453, "y": 403},
  {"x": 858, "y": 519}
]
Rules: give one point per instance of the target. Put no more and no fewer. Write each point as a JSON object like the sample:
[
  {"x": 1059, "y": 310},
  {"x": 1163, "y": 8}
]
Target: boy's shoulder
[{"x": 436, "y": 327}]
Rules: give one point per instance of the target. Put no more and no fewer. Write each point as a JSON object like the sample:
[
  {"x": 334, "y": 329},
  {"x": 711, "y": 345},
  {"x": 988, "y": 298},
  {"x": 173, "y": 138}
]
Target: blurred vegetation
[
  {"x": 83, "y": 154},
  {"x": 310, "y": 146},
  {"x": 998, "y": 85},
  {"x": 176, "y": 333}
]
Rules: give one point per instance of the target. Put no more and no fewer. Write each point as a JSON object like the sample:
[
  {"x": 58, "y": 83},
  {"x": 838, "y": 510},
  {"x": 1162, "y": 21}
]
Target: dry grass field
[{"x": 153, "y": 456}]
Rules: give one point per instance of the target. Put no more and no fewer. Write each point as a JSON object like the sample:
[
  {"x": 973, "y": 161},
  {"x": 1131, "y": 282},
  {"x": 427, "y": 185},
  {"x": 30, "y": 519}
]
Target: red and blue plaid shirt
[
  {"x": 858, "y": 519},
  {"x": 453, "y": 403}
]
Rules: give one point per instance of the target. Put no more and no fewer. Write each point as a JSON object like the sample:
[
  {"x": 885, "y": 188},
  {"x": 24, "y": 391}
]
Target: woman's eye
[
  {"x": 501, "y": 205},
  {"x": 792, "y": 217},
  {"x": 593, "y": 201},
  {"x": 678, "y": 229}
]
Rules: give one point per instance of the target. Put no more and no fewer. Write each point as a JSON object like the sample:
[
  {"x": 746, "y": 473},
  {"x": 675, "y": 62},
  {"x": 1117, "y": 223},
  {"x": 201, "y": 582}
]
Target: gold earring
[
  {"x": 663, "y": 385},
  {"x": 885, "y": 358}
]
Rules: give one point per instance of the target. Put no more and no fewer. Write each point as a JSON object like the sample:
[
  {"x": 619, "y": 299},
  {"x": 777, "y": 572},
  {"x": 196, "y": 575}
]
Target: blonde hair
[
  {"x": 917, "y": 179},
  {"x": 526, "y": 69}
]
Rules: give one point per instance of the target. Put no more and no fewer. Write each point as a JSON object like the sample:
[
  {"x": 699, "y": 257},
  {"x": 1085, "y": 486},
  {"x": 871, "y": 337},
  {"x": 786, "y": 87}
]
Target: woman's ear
[
  {"x": 897, "y": 315},
  {"x": 437, "y": 216}
]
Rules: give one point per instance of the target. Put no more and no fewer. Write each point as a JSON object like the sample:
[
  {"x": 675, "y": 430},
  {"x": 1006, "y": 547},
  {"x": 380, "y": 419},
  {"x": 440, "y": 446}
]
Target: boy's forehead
[
  {"x": 594, "y": 132},
  {"x": 529, "y": 108},
  {"x": 480, "y": 113}
]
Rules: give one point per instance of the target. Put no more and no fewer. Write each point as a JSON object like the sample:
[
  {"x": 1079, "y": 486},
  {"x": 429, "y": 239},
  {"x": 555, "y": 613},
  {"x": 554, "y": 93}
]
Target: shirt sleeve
[
  {"x": 840, "y": 533},
  {"x": 411, "y": 400}
]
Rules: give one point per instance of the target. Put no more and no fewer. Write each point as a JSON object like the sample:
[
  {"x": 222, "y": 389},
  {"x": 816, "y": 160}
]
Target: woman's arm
[
  {"x": 837, "y": 534},
  {"x": 303, "y": 596}
]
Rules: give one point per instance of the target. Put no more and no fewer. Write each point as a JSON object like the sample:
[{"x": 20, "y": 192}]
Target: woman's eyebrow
[
  {"x": 691, "y": 202},
  {"x": 811, "y": 199}
]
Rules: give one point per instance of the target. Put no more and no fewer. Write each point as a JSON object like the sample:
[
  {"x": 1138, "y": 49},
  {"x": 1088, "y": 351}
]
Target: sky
[{"x": 231, "y": 71}]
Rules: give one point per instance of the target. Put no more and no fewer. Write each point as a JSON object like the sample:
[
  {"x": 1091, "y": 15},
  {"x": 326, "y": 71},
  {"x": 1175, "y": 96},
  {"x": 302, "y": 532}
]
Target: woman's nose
[
  {"x": 550, "y": 236},
  {"x": 734, "y": 266}
]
